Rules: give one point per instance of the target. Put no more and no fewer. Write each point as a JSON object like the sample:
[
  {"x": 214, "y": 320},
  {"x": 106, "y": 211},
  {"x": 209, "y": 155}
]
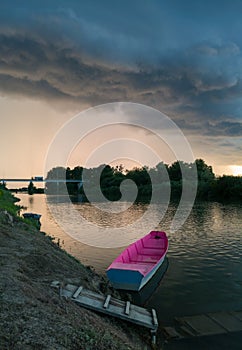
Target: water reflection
[
  {"x": 119, "y": 216},
  {"x": 141, "y": 297}
]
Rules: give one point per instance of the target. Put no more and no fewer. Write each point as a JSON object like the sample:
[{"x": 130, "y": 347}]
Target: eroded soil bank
[{"x": 32, "y": 315}]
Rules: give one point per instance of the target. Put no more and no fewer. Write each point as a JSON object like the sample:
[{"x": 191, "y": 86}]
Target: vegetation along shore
[
  {"x": 32, "y": 314},
  {"x": 150, "y": 181}
]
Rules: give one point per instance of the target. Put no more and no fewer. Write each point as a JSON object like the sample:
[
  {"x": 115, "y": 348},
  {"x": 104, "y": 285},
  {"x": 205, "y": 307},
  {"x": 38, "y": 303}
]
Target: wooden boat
[
  {"x": 135, "y": 266},
  {"x": 32, "y": 216}
]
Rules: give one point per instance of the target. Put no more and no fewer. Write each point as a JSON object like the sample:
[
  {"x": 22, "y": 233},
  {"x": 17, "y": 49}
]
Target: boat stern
[{"x": 125, "y": 279}]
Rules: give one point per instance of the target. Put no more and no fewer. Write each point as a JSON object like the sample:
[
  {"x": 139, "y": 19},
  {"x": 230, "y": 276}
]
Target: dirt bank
[{"x": 32, "y": 315}]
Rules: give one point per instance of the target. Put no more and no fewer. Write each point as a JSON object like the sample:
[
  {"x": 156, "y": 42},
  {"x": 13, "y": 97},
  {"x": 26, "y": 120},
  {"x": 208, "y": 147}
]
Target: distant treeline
[{"x": 157, "y": 179}]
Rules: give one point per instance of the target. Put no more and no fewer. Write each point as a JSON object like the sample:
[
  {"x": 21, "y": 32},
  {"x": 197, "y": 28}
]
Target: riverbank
[{"x": 33, "y": 316}]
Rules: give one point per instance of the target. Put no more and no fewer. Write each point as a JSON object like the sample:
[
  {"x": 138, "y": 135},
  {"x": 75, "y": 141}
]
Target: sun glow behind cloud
[{"x": 128, "y": 142}]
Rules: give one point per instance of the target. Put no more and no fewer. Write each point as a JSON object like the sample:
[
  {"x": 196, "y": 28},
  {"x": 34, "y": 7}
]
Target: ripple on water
[{"x": 205, "y": 255}]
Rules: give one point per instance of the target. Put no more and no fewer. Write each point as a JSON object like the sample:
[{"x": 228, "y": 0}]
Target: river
[{"x": 204, "y": 271}]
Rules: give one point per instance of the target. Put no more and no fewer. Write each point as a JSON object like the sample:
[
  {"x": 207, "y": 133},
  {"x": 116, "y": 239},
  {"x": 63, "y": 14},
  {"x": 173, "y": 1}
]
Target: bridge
[{"x": 41, "y": 180}]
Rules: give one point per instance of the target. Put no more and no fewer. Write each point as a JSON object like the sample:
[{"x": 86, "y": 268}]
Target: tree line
[{"x": 149, "y": 181}]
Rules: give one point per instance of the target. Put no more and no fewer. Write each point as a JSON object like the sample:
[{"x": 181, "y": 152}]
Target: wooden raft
[
  {"x": 111, "y": 306},
  {"x": 205, "y": 324},
  {"x": 211, "y": 323}
]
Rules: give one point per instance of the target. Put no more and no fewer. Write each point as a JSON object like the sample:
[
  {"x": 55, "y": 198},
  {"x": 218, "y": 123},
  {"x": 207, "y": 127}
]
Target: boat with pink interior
[{"x": 135, "y": 266}]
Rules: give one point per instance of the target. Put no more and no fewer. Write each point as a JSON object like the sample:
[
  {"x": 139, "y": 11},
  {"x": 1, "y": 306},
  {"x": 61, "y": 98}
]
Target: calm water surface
[{"x": 205, "y": 255}]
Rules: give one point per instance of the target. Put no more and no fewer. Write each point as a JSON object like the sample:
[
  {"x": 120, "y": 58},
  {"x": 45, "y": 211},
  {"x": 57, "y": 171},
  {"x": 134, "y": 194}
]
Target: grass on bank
[{"x": 8, "y": 202}]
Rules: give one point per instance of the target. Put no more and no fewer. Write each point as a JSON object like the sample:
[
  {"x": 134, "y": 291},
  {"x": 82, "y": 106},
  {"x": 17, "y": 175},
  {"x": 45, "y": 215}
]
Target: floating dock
[
  {"x": 205, "y": 324},
  {"x": 110, "y": 306}
]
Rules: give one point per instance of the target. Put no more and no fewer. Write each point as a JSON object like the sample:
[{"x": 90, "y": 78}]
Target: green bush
[{"x": 7, "y": 202}]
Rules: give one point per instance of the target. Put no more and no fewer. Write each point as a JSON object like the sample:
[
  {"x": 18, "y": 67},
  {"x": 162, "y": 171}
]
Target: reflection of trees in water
[
  {"x": 107, "y": 218},
  {"x": 31, "y": 202}
]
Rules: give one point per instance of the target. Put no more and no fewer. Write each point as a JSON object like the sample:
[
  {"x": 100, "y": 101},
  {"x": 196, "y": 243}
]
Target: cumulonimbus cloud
[{"x": 62, "y": 56}]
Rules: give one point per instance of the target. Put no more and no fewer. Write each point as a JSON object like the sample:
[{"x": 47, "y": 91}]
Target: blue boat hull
[{"x": 130, "y": 279}]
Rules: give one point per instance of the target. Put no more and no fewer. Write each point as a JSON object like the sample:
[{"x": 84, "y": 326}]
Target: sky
[{"x": 59, "y": 58}]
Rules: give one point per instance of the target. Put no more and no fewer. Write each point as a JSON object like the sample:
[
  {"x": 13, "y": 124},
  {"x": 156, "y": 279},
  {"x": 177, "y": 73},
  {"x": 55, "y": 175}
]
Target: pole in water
[{"x": 153, "y": 337}]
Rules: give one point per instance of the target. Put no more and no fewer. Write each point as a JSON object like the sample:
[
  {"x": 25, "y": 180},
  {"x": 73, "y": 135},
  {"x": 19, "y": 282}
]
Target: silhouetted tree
[
  {"x": 152, "y": 180},
  {"x": 31, "y": 188},
  {"x": 204, "y": 171},
  {"x": 206, "y": 180}
]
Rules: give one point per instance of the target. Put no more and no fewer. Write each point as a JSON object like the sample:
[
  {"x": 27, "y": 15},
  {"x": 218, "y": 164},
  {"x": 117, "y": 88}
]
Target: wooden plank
[
  {"x": 139, "y": 318},
  {"x": 116, "y": 311},
  {"x": 154, "y": 316},
  {"x": 107, "y": 300},
  {"x": 55, "y": 284},
  {"x": 77, "y": 292},
  {"x": 171, "y": 333},
  {"x": 95, "y": 301},
  {"x": 227, "y": 321},
  {"x": 153, "y": 337},
  {"x": 70, "y": 288},
  {"x": 237, "y": 314},
  {"x": 127, "y": 307},
  {"x": 202, "y": 325},
  {"x": 209, "y": 324},
  {"x": 187, "y": 331}
]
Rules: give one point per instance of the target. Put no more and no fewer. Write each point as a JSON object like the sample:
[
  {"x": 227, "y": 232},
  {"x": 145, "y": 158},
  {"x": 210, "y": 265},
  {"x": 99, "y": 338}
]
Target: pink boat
[{"x": 135, "y": 266}]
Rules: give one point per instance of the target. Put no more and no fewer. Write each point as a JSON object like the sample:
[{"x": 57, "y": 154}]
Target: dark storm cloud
[
  {"x": 224, "y": 128},
  {"x": 26, "y": 87},
  {"x": 182, "y": 59}
]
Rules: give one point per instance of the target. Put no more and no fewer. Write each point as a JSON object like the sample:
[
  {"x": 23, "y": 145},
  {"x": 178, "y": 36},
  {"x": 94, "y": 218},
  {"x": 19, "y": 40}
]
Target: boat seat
[
  {"x": 146, "y": 258},
  {"x": 158, "y": 244},
  {"x": 135, "y": 266},
  {"x": 151, "y": 251}
]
